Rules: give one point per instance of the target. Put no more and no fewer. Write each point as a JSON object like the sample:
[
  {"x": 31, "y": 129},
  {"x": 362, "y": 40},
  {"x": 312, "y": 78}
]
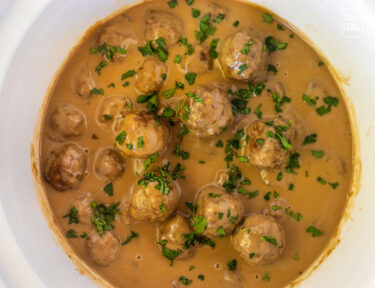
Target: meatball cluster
[{"x": 207, "y": 110}]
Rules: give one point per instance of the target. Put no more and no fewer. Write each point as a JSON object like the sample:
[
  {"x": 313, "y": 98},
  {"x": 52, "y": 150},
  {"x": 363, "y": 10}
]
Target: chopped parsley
[
  {"x": 232, "y": 265},
  {"x": 241, "y": 68},
  {"x": 149, "y": 160},
  {"x": 310, "y": 139},
  {"x": 236, "y": 23},
  {"x": 130, "y": 237},
  {"x": 330, "y": 101},
  {"x": 185, "y": 280},
  {"x": 108, "y": 189},
  {"x": 310, "y": 101},
  {"x": 334, "y": 185},
  {"x": 295, "y": 215},
  {"x": 128, "y": 74},
  {"x": 140, "y": 142},
  {"x": 190, "y": 77},
  {"x": 279, "y": 102},
  {"x": 172, "y": 3},
  {"x": 220, "y": 231},
  {"x": 269, "y": 240},
  {"x": 73, "y": 215},
  {"x": 321, "y": 180},
  {"x": 317, "y": 153},
  {"x": 272, "y": 44},
  {"x": 257, "y": 111},
  {"x": 177, "y": 59},
  {"x": 170, "y": 254},
  {"x": 100, "y": 66},
  {"x": 188, "y": 45},
  {"x": 159, "y": 176},
  {"x": 195, "y": 12},
  {"x": 71, "y": 234},
  {"x": 103, "y": 216},
  {"x": 108, "y": 51},
  {"x": 315, "y": 232},
  {"x": 267, "y": 18},
  {"x": 120, "y": 138},
  {"x": 292, "y": 163},
  {"x": 201, "y": 277},
  {"x": 272, "y": 68},
  {"x": 213, "y": 53},
  {"x": 205, "y": 28},
  {"x": 199, "y": 224},
  {"x": 219, "y": 18},
  {"x": 320, "y": 63},
  {"x": 158, "y": 47},
  {"x": 97, "y": 91}
]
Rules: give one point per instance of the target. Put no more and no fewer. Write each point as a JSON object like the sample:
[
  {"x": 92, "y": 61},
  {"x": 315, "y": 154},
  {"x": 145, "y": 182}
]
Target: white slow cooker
[{"x": 35, "y": 37}]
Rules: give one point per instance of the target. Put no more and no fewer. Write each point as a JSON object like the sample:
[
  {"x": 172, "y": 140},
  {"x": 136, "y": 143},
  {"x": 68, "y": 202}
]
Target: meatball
[
  {"x": 149, "y": 204},
  {"x": 66, "y": 122},
  {"x": 162, "y": 24},
  {"x": 150, "y": 75},
  {"x": 259, "y": 240},
  {"x": 242, "y": 56},
  {"x": 113, "y": 35},
  {"x": 82, "y": 204},
  {"x": 222, "y": 211},
  {"x": 172, "y": 231},
  {"x": 113, "y": 107},
  {"x": 103, "y": 250},
  {"x": 264, "y": 148},
  {"x": 199, "y": 62},
  {"x": 66, "y": 167},
  {"x": 83, "y": 82},
  {"x": 206, "y": 111},
  {"x": 140, "y": 136},
  {"x": 109, "y": 164}
]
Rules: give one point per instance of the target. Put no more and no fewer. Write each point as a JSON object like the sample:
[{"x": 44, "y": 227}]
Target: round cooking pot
[{"x": 36, "y": 36}]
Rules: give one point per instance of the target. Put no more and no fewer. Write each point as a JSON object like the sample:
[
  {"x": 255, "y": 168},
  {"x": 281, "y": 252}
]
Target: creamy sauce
[{"x": 140, "y": 262}]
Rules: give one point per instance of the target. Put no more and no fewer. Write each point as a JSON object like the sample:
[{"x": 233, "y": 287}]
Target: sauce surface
[{"x": 311, "y": 195}]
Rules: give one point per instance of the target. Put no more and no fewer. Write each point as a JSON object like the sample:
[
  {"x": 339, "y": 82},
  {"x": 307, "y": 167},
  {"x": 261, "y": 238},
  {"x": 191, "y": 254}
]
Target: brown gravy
[{"x": 320, "y": 203}]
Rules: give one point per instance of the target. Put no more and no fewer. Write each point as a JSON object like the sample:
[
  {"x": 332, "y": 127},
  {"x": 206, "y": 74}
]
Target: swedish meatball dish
[{"x": 196, "y": 143}]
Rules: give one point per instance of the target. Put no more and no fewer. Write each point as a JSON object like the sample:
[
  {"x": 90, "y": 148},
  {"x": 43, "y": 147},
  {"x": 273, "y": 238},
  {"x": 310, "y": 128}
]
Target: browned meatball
[
  {"x": 162, "y": 24},
  {"x": 103, "y": 250},
  {"x": 139, "y": 135},
  {"x": 208, "y": 111},
  {"x": 83, "y": 82},
  {"x": 82, "y": 204},
  {"x": 259, "y": 240},
  {"x": 66, "y": 167},
  {"x": 172, "y": 231},
  {"x": 149, "y": 204},
  {"x": 109, "y": 164},
  {"x": 114, "y": 36},
  {"x": 149, "y": 75},
  {"x": 242, "y": 56},
  {"x": 199, "y": 62},
  {"x": 222, "y": 211},
  {"x": 66, "y": 122},
  {"x": 265, "y": 148},
  {"x": 113, "y": 107}
]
